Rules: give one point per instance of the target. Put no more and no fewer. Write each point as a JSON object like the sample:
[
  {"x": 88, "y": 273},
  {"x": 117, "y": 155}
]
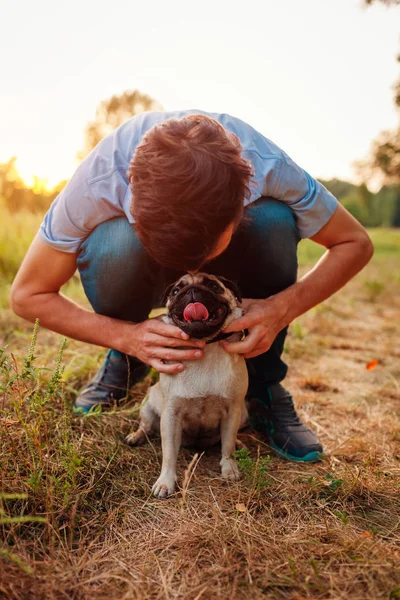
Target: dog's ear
[
  {"x": 167, "y": 293},
  {"x": 231, "y": 286}
]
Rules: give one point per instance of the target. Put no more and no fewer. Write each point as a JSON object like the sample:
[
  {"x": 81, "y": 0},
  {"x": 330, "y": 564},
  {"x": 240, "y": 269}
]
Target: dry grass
[{"x": 285, "y": 531}]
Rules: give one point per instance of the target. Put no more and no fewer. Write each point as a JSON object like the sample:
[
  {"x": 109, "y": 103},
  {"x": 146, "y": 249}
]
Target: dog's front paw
[
  {"x": 164, "y": 486},
  {"x": 137, "y": 438},
  {"x": 229, "y": 469}
]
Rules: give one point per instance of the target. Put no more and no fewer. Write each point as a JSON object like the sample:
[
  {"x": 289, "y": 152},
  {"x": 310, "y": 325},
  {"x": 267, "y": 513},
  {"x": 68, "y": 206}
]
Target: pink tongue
[{"x": 195, "y": 312}]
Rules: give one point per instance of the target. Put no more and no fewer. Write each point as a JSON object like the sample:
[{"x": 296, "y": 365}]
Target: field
[{"x": 77, "y": 519}]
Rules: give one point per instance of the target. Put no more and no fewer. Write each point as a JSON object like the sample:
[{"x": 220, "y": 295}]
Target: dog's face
[{"x": 201, "y": 304}]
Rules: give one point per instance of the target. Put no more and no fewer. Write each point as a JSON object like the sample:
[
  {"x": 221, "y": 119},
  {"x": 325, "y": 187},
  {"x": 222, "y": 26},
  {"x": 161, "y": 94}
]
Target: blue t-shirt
[{"x": 99, "y": 189}]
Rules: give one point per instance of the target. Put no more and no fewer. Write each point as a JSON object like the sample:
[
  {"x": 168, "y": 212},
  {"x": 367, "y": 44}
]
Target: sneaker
[
  {"x": 111, "y": 383},
  {"x": 271, "y": 411}
]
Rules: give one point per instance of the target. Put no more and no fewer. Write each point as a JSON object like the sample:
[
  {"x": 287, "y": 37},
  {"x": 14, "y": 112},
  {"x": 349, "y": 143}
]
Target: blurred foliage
[
  {"x": 385, "y": 151},
  {"x": 15, "y": 195},
  {"x": 383, "y": 208},
  {"x": 112, "y": 113},
  {"x": 372, "y": 210},
  {"x": 17, "y": 230},
  {"x": 386, "y": 2},
  {"x": 385, "y": 155}
]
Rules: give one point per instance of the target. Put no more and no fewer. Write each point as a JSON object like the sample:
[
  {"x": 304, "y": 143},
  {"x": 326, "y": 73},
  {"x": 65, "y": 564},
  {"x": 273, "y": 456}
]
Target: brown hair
[{"x": 189, "y": 182}]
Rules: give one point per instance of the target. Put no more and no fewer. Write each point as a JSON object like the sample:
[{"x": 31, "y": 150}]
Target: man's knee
[
  {"x": 109, "y": 246},
  {"x": 113, "y": 266},
  {"x": 273, "y": 221},
  {"x": 272, "y": 239}
]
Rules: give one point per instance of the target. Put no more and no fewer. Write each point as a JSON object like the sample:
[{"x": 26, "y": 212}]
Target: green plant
[
  {"x": 332, "y": 482},
  {"x": 255, "y": 472},
  {"x": 29, "y": 391},
  {"x": 341, "y": 515},
  {"x": 374, "y": 288},
  {"x": 298, "y": 330}
]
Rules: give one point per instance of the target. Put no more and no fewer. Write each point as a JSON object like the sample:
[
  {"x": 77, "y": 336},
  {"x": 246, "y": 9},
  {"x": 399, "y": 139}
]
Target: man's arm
[
  {"x": 35, "y": 293},
  {"x": 349, "y": 248}
]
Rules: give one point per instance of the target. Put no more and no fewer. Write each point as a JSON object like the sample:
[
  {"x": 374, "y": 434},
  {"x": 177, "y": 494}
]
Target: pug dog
[{"x": 205, "y": 403}]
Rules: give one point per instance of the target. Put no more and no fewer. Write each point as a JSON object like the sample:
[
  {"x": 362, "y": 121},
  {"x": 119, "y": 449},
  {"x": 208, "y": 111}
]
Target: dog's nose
[{"x": 195, "y": 294}]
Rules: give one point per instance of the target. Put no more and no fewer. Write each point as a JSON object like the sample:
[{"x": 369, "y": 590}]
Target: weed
[
  {"x": 315, "y": 384},
  {"x": 341, "y": 515},
  {"x": 332, "y": 482},
  {"x": 395, "y": 593},
  {"x": 255, "y": 472},
  {"x": 374, "y": 289},
  {"x": 298, "y": 330},
  {"x": 29, "y": 393}
]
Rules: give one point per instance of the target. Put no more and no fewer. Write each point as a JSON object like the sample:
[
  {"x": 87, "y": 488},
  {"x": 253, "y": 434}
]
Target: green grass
[
  {"x": 386, "y": 243},
  {"x": 17, "y": 231}
]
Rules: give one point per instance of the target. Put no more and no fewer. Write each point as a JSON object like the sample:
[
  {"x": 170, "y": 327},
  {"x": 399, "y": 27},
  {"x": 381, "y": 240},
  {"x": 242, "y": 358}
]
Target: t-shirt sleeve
[
  {"x": 311, "y": 202},
  {"x": 80, "y": 207}
]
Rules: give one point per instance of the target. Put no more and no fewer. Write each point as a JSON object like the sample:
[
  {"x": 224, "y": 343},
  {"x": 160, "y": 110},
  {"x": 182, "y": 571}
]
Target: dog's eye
[
  {"x": 175, "y": 291},
  {"x": 214, "y": 286}
]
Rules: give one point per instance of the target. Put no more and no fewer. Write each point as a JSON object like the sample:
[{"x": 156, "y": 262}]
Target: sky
[{"x": 314, "y": 76}]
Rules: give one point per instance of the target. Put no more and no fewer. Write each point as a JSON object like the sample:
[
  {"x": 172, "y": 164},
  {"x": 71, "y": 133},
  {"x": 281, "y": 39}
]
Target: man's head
[{"x": 189, "y": 182}]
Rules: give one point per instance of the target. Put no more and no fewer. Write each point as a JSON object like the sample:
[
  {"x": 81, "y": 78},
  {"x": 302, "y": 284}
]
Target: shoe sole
[
  {"x": 80, "y": 410},
  {"x": 314, "y": 456}
]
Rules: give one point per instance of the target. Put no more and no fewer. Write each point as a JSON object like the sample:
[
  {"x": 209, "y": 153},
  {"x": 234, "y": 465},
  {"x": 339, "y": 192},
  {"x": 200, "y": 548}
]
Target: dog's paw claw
[
  {"x": 134, "y": 439},
  {"x": 231, "y": 476},
  {"x": 230, "y": 470},
  {"x": 163, "y": 489}
]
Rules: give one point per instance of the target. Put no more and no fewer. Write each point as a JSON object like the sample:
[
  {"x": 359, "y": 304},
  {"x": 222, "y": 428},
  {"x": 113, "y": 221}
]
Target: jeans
[{"x": 121, "y": 280}]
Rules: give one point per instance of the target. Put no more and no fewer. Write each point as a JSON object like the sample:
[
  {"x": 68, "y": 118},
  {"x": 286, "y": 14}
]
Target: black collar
[
  {"x": 218, "y": 338},
  {"x": 225, "y": 336}
]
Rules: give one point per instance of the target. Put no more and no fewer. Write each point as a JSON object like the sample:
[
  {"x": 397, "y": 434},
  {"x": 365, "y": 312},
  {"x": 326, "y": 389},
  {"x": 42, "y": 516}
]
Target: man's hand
[
  {"x": 154, "y": 342},
  {"x": 263, "y": 319}
]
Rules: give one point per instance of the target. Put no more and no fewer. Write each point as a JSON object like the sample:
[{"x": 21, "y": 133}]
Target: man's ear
[
  {"x": 233, "y": 287},
  {"x": 167, "y": 293}
]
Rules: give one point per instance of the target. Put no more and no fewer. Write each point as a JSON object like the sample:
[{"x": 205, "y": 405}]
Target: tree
[
  {"x": 339, "y": 188},
  {"x": 16, "y": 196},
  {"x": 112, "y": 113},
  {"x": 387, "y": 2},
  {"x": 385, "y": 151},
  {"x": 385, "y": 156}
]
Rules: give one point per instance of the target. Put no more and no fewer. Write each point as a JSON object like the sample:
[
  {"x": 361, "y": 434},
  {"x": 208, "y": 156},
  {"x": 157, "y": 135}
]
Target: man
[{"x": 170, "y": 192}]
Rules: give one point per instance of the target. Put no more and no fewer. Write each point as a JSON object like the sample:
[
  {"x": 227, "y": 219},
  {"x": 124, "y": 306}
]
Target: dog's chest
[
  {"x": 218, "y": 374},
  {"x": 205, "y": 393},
  {"x": 200, "y": 416}
]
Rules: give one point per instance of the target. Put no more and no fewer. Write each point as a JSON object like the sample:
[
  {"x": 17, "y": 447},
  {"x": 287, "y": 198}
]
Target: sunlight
[{"x": 41, "y": 173}]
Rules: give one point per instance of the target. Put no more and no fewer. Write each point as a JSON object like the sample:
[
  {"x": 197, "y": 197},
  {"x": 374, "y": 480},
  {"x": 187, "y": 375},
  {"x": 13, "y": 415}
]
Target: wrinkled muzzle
[{"x": 198, "y": 311}]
